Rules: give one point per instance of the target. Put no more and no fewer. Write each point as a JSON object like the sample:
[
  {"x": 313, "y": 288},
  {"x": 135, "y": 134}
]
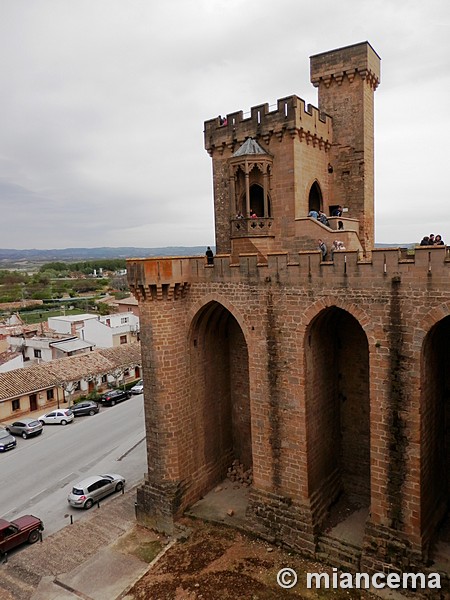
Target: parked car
[
  {"x": 92, "y": 489},
  {"x": 26, "y": 428},
  {"x": 112, "y": 397},
  {"x": 85, "y": 408},
  {"x": 23, "y": 529},
  {"x": 7, "y": 441},
  {"x": 60, "y": 417},
  {"x": 138, "y": 388}
]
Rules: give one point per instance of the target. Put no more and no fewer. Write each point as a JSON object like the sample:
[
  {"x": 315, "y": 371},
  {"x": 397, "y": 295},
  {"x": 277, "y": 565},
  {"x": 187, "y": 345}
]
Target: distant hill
[{"x": 8, "y": 255}]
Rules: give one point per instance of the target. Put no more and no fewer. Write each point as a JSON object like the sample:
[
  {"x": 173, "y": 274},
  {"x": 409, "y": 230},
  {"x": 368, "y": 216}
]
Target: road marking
[
  {"x": 130, "y": 450},
  {"x": 36, "y": 495}
]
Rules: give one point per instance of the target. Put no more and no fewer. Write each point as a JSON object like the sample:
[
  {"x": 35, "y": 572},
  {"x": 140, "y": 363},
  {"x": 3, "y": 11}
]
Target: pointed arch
[
  {"x": 315, "y": 198},
  {"x": 337, "y": 404},
  {"x": 219, "y": 392}
]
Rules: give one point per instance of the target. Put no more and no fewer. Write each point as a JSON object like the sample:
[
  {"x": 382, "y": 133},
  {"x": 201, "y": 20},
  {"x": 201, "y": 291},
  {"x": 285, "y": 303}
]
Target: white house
[
  {"x": 70, "y": 324},
  {"x": 112, "y": 330}
]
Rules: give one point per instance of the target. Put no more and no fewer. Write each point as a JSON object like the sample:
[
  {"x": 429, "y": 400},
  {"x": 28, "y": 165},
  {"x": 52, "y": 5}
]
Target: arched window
[
  {"x": 315, "y": 201},
  {"x": 257, "y": 201}
]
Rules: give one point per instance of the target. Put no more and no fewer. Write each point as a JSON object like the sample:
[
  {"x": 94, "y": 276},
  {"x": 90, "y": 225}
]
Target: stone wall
[{"x": 326, "y": 348}]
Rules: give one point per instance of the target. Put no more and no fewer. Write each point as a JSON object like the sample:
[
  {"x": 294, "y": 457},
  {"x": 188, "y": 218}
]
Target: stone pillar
[
  {"x": 162, "y": 310},
  {"x": 266, "y": 204},
  {"x": 247, "y": 192}
]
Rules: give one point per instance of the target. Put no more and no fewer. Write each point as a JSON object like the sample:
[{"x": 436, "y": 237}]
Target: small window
[
  {"x": 37, "y": 353},
  {"x": 104, "y": 378},
  {"x": 123, "y": 320},
  {"x": 16, "y": 404},
  {"x": 50, "y": 394},
  {"x": 123, "y": 339}
]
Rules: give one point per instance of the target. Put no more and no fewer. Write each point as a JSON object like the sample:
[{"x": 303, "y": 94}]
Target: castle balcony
[{"x": 245, "y": 228}]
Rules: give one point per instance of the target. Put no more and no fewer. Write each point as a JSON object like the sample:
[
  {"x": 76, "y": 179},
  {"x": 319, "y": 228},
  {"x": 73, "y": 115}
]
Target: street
[{"x": 38, "y": 474}]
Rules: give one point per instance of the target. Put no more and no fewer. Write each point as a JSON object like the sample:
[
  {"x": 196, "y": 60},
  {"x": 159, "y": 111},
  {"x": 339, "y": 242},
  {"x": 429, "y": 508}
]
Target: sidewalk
[{"x": 87, "y": 560}]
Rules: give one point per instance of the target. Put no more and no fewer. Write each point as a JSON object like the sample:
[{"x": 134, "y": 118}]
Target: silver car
[
  {"x": 25, "y": 427},
  {"x": 138, "y": 388},
  {"x": 92, "y": 489}
]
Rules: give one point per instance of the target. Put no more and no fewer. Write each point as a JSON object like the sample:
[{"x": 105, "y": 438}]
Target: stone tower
[
  {"x": 282, "y": 163},
  {"x": 328, "y": 379},
  {"x": 346, "y": 79}
]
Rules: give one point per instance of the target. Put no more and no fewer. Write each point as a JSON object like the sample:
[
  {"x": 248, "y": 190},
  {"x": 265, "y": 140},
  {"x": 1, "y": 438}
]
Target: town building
[
  {"x": 61, "y": 381},
  {"x": 102, "y": 331},
  {"x": 327, "y": 378}
]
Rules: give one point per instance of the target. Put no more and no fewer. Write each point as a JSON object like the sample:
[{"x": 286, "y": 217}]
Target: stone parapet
[
  {"x": 334, "y": 65},
  {"x": 167, "y": 278},
  {"x": 291, "y": 116}
]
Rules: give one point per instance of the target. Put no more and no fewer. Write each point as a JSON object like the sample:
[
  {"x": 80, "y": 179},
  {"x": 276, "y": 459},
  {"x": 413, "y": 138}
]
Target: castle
[{"x": 327, "y": 377}]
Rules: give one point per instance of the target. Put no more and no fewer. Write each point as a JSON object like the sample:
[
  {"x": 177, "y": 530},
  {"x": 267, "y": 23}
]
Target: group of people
[
  {"x": 337, "y": 245},
  {"x": 253, "y": 215},
  {"x": 320, "y": 216},
  {"x": 432, "y": 240}
]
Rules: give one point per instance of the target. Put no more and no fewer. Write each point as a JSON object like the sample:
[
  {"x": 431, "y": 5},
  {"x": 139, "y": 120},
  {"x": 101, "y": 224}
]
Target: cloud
[{"x": 103, "y": 104}]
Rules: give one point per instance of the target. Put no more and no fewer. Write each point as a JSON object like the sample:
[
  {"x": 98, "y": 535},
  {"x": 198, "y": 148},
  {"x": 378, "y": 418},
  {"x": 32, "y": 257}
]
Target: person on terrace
[{"x": 323, "y": 248}]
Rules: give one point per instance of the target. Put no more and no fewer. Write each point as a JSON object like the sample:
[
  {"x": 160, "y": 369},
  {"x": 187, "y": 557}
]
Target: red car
[{"x": 21, "y": 530}]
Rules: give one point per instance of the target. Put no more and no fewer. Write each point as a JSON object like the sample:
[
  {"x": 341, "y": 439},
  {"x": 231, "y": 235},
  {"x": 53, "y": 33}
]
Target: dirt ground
[{"x": 218, "y": 562}]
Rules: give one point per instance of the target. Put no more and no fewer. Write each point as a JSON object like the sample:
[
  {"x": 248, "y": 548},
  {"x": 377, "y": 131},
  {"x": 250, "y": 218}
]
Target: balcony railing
[{"x": 259, "y": 227}]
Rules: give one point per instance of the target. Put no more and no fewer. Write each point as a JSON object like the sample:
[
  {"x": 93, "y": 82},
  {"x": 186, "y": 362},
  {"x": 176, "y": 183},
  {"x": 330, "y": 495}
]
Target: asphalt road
[{"x": 37, "y": 475}]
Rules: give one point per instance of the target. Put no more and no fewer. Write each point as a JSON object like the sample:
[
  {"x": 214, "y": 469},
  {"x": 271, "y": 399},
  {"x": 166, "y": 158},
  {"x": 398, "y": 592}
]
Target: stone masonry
[{"x": 327, "y": 378}]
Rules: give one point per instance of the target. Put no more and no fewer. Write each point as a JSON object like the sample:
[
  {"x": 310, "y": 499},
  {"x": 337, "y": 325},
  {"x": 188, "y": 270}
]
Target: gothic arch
[
  {"x": 435, "y": 426},
  {"x": 219, "y": 390},
  {"x": 196, "y": 307},
  {"x": 337, "y": 408},
  {"x": 374, "y": 334},
  {"x": 315, "y": 197}
]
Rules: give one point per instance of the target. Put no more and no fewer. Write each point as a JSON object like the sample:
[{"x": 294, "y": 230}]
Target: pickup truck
[{"x": 21, "y": 530}]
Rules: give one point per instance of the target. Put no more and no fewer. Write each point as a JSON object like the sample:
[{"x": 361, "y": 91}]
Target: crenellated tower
[
  {"x": 283, "y": 162},
  {"x": 346, "y": 79},
  {"x": 327, "y": 380}
]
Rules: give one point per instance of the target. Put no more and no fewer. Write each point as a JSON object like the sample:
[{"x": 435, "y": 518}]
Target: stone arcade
[{"x": 327, "y": 378}]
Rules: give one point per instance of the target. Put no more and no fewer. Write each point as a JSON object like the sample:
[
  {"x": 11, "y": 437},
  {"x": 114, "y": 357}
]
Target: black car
[
  {"x": 85, "y": 408},
  {"x": 112, "y": 397}
]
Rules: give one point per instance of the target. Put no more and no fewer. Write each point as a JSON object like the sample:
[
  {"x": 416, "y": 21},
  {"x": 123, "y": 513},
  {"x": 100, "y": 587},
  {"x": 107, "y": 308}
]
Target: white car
[
  {"x": 60, "y": 416},
  {"x": 138, "y": 388}
]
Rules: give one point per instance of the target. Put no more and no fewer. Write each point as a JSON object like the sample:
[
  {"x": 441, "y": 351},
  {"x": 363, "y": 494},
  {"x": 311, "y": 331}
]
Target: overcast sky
[{"x": 102, "y": 105}]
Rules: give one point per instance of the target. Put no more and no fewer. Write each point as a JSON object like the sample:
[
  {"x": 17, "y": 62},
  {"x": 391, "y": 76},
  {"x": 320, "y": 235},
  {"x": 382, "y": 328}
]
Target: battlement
[
  {"x": 292, "y": 115},
  {"x": 334, "y": 65},
  {"x": 159, "y": 278}
]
